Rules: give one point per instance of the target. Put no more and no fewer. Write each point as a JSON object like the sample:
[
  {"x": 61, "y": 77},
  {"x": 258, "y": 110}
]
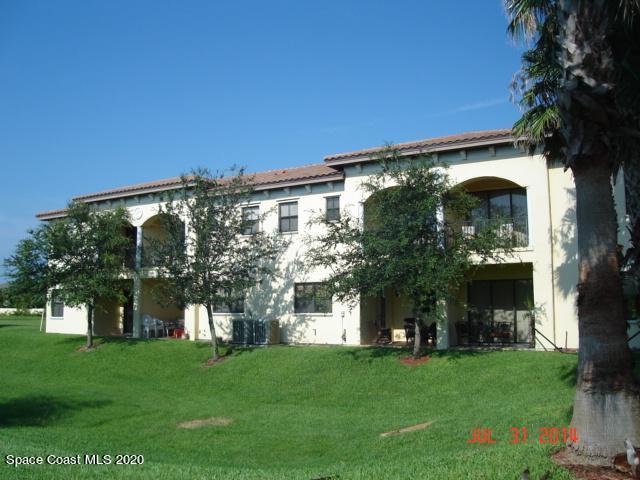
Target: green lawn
[{"x": 298, "y": 412}]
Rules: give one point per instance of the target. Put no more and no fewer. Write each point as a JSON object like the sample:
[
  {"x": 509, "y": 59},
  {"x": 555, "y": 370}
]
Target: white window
[
  {"x": 57, "y": 306},
  {"x": 251, "y": 217},
  {"x": 288, "y": 213}
]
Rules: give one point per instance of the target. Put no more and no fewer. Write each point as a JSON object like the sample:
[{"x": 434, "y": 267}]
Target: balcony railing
[{"x": 512, "y": 229}]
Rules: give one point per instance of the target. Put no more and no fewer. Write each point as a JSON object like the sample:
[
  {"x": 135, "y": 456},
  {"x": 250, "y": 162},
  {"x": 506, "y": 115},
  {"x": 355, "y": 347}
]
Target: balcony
[{"x": 513, "y": 230}]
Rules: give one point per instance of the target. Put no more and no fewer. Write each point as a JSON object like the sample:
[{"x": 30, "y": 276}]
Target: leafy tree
[
  {"x": 405, "y": 242},
  {"x": 4, "y": 296},
  {"x": 211, "y": 262},
  {"x": 81, "y": 256},
  {"x": 29, "y": 271},
  {"x": 580, "y": 92}
]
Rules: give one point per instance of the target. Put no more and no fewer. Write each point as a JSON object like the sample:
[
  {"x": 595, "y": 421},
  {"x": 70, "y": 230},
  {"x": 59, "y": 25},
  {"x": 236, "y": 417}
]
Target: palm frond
[{"x": 526, "y": 16}]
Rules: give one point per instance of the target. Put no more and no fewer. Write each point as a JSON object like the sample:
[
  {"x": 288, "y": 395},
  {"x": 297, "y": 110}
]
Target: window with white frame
[
  {"x": 288, "y": 217},
  {"x": 333, "y": 209},
  {"x": 251, "y": 218},
  {"x": 57, "y": 305}
]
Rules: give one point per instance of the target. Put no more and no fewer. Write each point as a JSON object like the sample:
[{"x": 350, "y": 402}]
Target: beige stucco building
[{"x": 534, "y": 197}]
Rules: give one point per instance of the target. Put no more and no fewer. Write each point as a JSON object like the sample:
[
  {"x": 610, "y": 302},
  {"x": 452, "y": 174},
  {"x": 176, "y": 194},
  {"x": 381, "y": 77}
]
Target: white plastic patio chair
[{"x": 149, "y": 322}]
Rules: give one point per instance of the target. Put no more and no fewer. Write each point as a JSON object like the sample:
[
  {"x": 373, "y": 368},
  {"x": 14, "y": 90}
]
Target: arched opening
[
  {"x": 154, "y": 230},
  {"x": 502, "y": 205},
  {"x": 496, "y": 302},
  {"x": 159, "y": 317}
]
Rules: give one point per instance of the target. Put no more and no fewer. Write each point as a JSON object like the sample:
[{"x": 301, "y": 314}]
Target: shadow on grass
[
  {"x": 2, "y": 325},
  {"x": 41, "y": 410},
  {"x": 568, "y": 415},
  {"x": 459, "y": 354},
  {"x": 569, "y": 374},
  {"x": 369, "y": 354},
  {"x": 119, "y": 341}
]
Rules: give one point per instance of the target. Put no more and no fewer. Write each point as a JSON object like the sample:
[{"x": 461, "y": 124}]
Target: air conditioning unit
[
  {"x": 255, "y": 332},
  {"x": 242, "y": 331},
  {"x": 267, "y": 332}
]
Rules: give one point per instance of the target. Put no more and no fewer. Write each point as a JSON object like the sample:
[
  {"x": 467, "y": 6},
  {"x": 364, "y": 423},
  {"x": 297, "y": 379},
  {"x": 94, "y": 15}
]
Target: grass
[{"x": 297, "y": 412}]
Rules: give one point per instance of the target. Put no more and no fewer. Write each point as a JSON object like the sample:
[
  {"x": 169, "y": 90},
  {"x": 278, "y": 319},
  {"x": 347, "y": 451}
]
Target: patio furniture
[
  {"x": 173, "y": 328},
  {"x": 178, "y": 333},
  {"x": 410, "y": 329},
  {"x": 432, "y": 334},
  {"x": 384, "y": 336},
  {"x": 150, "y": 323}
]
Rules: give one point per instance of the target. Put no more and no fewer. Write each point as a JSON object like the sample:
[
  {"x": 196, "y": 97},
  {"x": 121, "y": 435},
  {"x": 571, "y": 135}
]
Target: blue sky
[{"x": 99, "y": 94}]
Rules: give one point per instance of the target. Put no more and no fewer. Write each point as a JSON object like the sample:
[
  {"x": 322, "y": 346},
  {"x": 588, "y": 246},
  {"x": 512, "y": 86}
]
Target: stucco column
[{"x": 137, "y": 287}]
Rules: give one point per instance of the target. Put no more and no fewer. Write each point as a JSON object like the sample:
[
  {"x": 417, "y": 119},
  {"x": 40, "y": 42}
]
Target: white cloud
[{"x": 479, "y": 105}]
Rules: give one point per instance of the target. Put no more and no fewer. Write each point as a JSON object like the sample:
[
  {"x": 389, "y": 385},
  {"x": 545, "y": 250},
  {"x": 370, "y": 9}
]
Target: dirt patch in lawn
[
  {"x": 414, "y": 362},
  {"x": 206, "y": 422},
  {"x": 412, "y": 428},
  {"x": 84, "y": 348},
  {"x": 211, "y": 362},
  {"x": 620, "y": 470}
]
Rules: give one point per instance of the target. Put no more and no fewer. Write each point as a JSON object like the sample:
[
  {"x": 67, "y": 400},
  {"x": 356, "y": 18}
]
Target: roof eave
[
  {"x": 124, "y": 194},
  {"x": 51, "y": 215},
  {"x": 345, "y": 159},
  {"x": 133, "y": 193},
  {"x": 295, "y": 183}
]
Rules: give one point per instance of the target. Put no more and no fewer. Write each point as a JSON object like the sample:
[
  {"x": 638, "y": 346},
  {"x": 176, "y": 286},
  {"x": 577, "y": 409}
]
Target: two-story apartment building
[{"x": 533, "y": 197}]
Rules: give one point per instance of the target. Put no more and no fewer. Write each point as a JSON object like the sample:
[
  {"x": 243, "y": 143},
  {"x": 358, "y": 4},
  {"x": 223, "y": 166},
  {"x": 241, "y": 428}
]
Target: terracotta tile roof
[
  {"x": 50, "y": 214},
  {"x": 262, "y": 181},
  {"x": 296, "y": 174},
  {"x": 430, "y": 144},
  {"x": 323, "y": 172},
  {"x": 138, "y": 187}
]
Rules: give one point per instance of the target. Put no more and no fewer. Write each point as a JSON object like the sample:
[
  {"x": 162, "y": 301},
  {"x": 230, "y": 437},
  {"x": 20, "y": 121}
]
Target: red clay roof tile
[{"x": 429, "y": 144}]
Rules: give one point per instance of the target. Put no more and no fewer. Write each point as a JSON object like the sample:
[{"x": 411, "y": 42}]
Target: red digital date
[{"x": 520, "y": 435}]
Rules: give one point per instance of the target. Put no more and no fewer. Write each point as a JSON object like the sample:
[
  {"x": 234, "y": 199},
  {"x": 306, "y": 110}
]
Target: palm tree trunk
[
  {"x": 607, "y": 402},
  {"x": 89, "y": 326},
  {"x": 212, "y": 328}
]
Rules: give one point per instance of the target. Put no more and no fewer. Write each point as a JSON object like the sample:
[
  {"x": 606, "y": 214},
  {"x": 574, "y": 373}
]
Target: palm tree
[{"x": 580, "y": 93}]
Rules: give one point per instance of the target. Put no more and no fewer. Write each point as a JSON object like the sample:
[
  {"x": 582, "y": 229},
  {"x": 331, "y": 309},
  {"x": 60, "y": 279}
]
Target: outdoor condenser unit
[
  {"x": 267, "y": 332},
  {"x": 242, "y": 331},
  {"x": 258, "y": 332}
]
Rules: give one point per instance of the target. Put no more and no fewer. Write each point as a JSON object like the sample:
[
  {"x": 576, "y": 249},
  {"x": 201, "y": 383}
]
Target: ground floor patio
[
  {"x": 495, "y": 306},
  {"x": 143, "y": 313}
]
